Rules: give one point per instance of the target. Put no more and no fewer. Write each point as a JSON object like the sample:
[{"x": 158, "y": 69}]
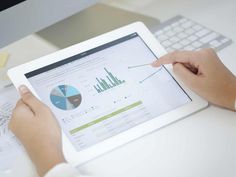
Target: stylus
[{"x": 136, "y": 66}]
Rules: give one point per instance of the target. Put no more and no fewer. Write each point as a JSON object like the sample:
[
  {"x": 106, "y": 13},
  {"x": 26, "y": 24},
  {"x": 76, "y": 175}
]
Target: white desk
[{"x": 202, "y": 145}]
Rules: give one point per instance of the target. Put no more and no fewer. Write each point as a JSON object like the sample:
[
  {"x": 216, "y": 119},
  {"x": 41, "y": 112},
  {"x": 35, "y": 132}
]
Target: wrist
[
  {"x": 235, "y": 105},
  {"x": 45, "y": 156},
  {"x": 232, "y": 97},
  {"x": 234, "y": 93},
  {"x": 227, "y": 95},
  {"x": 47, "y": 161}
]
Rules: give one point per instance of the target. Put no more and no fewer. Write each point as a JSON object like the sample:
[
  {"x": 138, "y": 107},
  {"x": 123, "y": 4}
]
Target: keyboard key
[
  {"x": 183, "y": 20},
  {"x": 182, "y": 35},
  {"x": 177, "y": 46},
  {"x": 174, "y": 39},
  {"x": 187, "y": 25},
  {"x": 190, "y": 48},
  {"x": 166, "y": 43},
  {"x": 184, "y": 42},
  {"x": 192, "y": 38},
  {"x": 178, "y": 29},
  {"x": 167, "y": 28},
  {"x": 197, "y": 44},
  {"x": 215, "y": 43},
  {"x": 190, "y": 31},
  {"x": 224, "y": 40},
  {"x": 175, "y": 24},
  {"x": 209, "y": 37},
  {"x": 169, "y": 50},
  {"x": 170, "y": 33},
  {"x": 202, "y": 33},
  {"x": 162, "y": 37},
  {"x": 197, "y": 27}
]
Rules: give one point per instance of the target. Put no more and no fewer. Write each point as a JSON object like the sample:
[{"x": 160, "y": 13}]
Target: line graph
[{"x": 149, "y": 76}]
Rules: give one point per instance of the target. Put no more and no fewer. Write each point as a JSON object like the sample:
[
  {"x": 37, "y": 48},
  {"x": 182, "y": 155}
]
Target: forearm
[
  {"x": 47, "y": 162},
  {"x": 235, "y": 96},
  {"x": 227, "y": 95},
  {"x": 63, "y": 170},
  {"x": 45, "y": 156}
]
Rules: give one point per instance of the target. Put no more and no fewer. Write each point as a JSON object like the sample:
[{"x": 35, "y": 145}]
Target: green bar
[
  {"x": 119, "y": 81},
  {"x": 106, "y": 117},
  {"x": 101, "y": 84},
  {"x": 112, "y": 77},
  {"x": 105, "y": 88},
  {"x": 106, "y": 70},
  {"x": 105, "y": 83},
  {"x": 97, "y": 89},
  {"x": 113, "y": 85}
]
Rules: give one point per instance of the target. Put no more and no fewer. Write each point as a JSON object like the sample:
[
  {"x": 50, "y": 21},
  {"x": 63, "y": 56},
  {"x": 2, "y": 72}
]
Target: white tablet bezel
[{"x": 17, "y": 75}]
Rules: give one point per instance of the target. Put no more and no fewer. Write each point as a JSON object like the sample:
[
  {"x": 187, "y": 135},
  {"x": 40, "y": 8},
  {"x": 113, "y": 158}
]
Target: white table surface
[{"x": 201, "y": 145}]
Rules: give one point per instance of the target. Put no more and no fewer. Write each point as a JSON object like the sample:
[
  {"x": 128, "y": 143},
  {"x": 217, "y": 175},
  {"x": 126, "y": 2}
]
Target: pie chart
[{"x": 65, "y": 97}]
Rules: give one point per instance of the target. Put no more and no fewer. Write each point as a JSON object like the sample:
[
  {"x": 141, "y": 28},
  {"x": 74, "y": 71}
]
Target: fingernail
[
  {"x": 23, "y": 89},
  {"x": 153, "y": 64}
]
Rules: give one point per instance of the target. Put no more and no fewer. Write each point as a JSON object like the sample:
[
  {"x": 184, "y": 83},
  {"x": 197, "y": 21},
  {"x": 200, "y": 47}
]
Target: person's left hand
[{"x": 36, "y": 127}]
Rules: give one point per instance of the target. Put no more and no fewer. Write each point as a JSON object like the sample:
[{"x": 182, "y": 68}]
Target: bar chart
[{"x": 107, "y": 83}]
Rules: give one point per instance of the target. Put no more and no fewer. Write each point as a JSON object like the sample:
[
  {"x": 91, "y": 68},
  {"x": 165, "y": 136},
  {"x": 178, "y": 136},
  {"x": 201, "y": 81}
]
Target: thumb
[
  {"x": 29, "y": 99},
  {"x": 20, "y": 113},
  {"x": 189, "y": 78}
]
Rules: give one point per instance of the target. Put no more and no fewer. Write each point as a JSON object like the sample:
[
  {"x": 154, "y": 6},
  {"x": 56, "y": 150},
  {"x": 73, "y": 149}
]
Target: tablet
[{"x": 104, "y": 93}]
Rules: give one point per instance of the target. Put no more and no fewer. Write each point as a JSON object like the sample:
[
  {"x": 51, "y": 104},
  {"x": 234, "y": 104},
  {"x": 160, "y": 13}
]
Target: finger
[
  {"x": 176, "y": 57},
  {"x": 189, "y": 78},
  {"x": 19, "y": 103},
  {"x": 29, "y": 99},
  {"x": 21, "y": 106},
  {"x": 20, "y": 112}
]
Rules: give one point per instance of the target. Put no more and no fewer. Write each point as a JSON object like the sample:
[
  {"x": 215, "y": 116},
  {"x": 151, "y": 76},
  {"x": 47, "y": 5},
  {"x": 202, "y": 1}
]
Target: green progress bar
[{"x": 105, "y": 117}]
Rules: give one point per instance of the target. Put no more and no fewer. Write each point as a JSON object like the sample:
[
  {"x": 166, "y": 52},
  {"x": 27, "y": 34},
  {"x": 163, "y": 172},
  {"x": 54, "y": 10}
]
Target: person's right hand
[{"x": 204, "y": 73}]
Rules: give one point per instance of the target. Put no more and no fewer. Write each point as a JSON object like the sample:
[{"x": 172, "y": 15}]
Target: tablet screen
[{"x": 107, "y": 90}]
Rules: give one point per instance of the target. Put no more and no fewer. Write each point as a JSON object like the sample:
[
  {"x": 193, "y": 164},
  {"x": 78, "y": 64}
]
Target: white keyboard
[{"x": 180, "y": 33}]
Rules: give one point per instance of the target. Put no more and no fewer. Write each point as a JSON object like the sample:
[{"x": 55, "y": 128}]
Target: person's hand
[
  {"x": 204, "y": 73},
  {"x": 36, "y": 127}
]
